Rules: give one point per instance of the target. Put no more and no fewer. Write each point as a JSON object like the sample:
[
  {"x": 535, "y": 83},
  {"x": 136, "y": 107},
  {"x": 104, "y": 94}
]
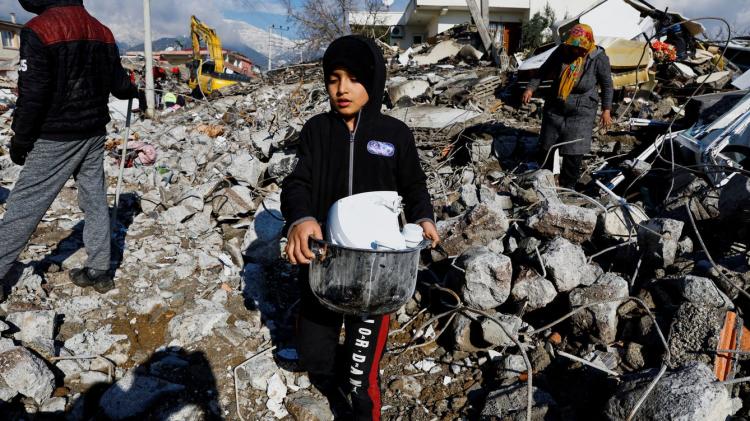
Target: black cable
[{"x": 674, "y": 119}]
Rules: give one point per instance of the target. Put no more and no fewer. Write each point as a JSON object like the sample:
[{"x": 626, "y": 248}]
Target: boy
[{"x": 351, "y": 149}]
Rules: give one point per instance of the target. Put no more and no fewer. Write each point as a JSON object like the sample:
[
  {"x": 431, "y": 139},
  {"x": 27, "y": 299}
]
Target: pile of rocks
[{"x": 201, "y": 324}]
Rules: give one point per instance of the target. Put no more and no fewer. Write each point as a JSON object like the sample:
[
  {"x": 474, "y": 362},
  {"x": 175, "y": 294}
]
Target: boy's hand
[
  {"x": 430, "y": 232},
  {"x": 297, "y": 250},
  {"x": 527, "y": 95}
]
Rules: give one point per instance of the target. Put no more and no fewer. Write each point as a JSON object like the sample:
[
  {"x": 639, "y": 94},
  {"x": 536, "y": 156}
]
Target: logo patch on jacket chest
[{"x": 381, "y": 148}]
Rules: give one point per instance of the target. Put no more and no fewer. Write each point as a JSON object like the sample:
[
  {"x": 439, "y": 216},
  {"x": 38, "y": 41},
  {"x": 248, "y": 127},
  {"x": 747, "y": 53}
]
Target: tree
[
  {"x": 321, "y": 21},
  {"x": 533, "y": 30}
]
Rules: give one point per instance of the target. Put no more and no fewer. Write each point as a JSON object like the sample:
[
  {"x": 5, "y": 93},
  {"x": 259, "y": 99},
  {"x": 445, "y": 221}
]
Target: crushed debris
[{"x": 608, "y": 301}]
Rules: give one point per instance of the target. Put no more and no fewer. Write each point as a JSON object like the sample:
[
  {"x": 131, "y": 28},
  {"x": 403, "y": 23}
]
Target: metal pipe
[
  {"x": 147, "y": 50},
  {"x": 123, "y": 158}
]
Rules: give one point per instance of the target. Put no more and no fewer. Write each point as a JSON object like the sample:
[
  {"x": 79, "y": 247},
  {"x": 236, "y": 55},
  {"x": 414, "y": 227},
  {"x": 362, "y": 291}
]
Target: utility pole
[
  {"x": 150, "y": 102},
  {"x": 270, "y": 41},
  {"x": 270, "y": 31}
]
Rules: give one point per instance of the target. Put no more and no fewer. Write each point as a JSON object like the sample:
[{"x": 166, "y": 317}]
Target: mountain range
[{"x": 241, "y": 37}]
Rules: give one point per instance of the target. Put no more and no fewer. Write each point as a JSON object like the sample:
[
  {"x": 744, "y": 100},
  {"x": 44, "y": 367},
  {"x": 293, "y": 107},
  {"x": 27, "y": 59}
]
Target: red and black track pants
[{"x": 352, "y": 367}]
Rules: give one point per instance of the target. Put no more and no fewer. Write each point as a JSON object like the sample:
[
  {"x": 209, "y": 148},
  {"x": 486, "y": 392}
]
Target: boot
[{"x": 101, "y": 280}]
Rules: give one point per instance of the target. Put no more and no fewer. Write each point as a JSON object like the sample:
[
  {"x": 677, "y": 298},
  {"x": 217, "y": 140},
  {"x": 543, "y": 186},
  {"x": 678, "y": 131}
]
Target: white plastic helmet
[{"x": 366, "y": 221}]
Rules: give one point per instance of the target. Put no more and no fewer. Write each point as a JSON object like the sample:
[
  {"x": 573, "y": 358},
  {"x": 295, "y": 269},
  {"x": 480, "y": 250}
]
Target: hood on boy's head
[
  {"x": 362, "y": 58},
  {"x": 38, "y": 6}
]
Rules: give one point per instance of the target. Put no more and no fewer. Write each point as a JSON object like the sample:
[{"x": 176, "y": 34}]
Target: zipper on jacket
[{"x": 352, "y": 135}]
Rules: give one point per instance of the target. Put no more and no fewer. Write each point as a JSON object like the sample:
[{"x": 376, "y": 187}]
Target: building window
[
  {"x": 417, "y": 39},
  {"x": 8, "y": 39}
]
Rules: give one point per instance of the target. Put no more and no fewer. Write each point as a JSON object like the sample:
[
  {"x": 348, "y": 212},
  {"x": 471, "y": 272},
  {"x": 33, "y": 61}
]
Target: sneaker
[
  {"x": 101, "y": 280},
  {"x": 104, "y": 285}
]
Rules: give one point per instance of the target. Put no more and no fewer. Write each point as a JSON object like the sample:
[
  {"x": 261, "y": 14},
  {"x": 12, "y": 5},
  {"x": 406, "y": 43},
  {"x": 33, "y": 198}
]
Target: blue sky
[{"x": 172, "y": 17}]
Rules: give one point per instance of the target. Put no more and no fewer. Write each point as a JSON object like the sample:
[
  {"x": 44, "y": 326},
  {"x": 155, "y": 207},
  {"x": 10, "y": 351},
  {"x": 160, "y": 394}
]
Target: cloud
[
  {"x": 168, "y": 17},
  {"x": 274, "y": 7}
]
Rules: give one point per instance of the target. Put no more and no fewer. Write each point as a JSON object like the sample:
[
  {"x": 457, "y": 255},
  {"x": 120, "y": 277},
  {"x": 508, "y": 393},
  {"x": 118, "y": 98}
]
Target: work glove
[{"x": 18, "y": 151}]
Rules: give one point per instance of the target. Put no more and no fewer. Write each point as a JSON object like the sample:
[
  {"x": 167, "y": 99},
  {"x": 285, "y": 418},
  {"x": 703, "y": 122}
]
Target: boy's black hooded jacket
[
  {"x": 332, "y": 164},
  {"x": 69, "y": 66}
]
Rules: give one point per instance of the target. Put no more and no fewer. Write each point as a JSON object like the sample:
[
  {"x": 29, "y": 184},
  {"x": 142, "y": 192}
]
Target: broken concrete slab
[
  {"x": 621, "y": 223},
  {"x": 542, "y": 182},
  {"x": 411, "y": 89},
  {"x": 261, "y": 140},
  {"x": 197, "y": 323},
  {"x": 482, "y": 225},
  {"x": 601, "y": 317},
  {"x": 481, "y": 149},
  {"x": 494, "y": 334},
  {"x": 513, "y": 366},
  {"x": 469, "y": 196},
  {"x": 694, "y": 333},
  {"x": 276, "y": 392},
  {"x": 716, "y": 79},
  {"x": 96, "y": 342},
  {"x": 22, "y": 372},
  {"x": 233, "y": 202},
  {"x": 688, "y": 393},
  {"x": 304, "y": 406},
  {"x": 246, "y": 168},
  {"x": 408, "y": 385},
  {"x": 261, "y": 242},
  {"x": 486, "y": 278},
  {"x": 36, "y": 330},
  {"x": 462, "y": 332},
  {"x": 441, "y": 51},
  {"x": 703, "y": 291},
  {"x": 257, "y": 372},
  {"x": 565, "y": 263},
  {"x": 432, "y": 117},
  {"x": 658, "y": 239},
  {"x": 532, "y": 288},
  {"x": 574, "y": 223},
  {"x": 509, "y": 403},
  {"x": 281, "y": 165},
  {"x": 468, "y": 52},
  {"x": 134, "y": 394},
  {"x": 177, "y": 214}
]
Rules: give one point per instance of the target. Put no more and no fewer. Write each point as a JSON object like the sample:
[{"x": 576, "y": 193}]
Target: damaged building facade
[
  {"x": 9, "y": 50},
  {"x": 424, "y": 19}
]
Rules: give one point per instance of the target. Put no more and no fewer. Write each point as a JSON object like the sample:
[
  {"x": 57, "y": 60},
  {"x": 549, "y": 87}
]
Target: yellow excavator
[{"x": 208, "y": 76}]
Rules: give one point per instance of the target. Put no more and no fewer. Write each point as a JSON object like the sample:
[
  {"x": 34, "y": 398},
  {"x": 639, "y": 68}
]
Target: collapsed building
[{"x": 622, "y": 300}]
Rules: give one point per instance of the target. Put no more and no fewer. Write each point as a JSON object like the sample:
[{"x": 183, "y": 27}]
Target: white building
[
  {"x": 9, "y": 48},
  {"x": 426, "y": 18}
]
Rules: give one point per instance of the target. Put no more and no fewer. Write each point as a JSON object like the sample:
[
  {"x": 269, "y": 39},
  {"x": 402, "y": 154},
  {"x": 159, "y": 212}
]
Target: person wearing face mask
[{"x": 578, "y": 69}]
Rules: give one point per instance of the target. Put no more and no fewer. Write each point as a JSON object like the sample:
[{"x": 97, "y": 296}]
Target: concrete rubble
[
  {"x": 201, "y": 324},
  {"x": 688, "y": 393}
]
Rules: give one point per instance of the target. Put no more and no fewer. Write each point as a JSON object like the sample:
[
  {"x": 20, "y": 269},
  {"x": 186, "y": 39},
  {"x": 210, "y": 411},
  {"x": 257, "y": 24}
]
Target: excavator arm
[
  {"x": 199, "y": 30},
  {"x": 209, "y": 77}
]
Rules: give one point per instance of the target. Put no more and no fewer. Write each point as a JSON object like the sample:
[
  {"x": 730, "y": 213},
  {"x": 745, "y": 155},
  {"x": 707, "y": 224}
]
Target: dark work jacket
[
  {"x": 332, "y": 163},
  {"x": 69, "y": 66},
  {"x": 575, "y": 117}
]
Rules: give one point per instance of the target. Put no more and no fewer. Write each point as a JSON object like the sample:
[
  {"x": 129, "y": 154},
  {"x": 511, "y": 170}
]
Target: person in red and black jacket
[{"x": 69, "y": 66}]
